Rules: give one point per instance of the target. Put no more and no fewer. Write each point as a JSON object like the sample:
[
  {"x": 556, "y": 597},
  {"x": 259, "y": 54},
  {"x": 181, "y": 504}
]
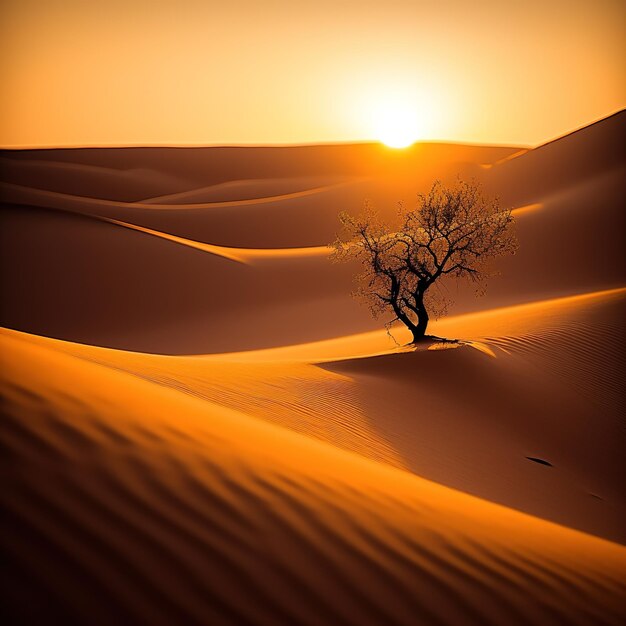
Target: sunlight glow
[
  {"x": 397, "y": 124},
  {"x": 398, "y": 114},
  {"x": 464, "y": 79}
]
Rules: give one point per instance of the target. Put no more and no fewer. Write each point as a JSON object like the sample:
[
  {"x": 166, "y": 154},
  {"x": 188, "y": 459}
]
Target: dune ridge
[
  {"x": 242, "y": 255},
  {"x": 234, "y": 190},
  {"x": 54, "y": 199}
]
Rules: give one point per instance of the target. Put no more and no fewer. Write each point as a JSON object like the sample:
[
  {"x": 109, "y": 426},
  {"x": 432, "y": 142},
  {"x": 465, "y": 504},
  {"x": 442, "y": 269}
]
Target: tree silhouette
[{"x": 452, "y": 233}]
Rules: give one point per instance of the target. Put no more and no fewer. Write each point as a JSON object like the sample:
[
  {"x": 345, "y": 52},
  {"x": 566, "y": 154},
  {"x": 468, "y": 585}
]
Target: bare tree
[{"x": 452, "y": 233}]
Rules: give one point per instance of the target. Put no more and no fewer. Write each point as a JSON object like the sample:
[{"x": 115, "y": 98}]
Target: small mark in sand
[
  {"x": 540, "y": 461},
  {"x": 593, "y": 495}
]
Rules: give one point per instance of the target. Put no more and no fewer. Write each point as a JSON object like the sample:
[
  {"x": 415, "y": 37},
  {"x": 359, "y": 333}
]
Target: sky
[{"x": 189, "y": 72}]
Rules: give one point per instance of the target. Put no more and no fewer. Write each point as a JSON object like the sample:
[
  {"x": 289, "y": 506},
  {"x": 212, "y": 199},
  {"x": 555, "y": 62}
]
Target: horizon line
[
  {"x": 358, "y": 142},
  {"x": 304, "y": 144}
]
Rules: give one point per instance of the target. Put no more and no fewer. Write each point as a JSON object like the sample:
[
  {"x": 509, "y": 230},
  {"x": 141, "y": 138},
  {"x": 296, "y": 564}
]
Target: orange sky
[{"x": 122, "y": 72}]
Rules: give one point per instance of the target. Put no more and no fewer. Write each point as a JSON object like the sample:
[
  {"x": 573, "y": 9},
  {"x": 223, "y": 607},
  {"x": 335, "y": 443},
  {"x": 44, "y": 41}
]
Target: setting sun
[
  {"x": 397, "y": 125},
  {"x": 399, "y": 114},
  {"x": 397, "y": 137}
]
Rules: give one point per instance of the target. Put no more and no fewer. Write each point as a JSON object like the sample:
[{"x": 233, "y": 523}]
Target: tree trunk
[{"x": 419, "y": 330}]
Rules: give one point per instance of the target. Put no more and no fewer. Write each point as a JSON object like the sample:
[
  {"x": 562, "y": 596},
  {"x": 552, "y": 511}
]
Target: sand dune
[
  {"x": 147, "y": 517},
  {"x": 125, "y": 300},
  {"x": 86, "y": 180},
  {"x": 434, "y": 413},
  {"x": 233, "y": 309},
  {"x": 214, "y": 165},
  {"x": 127, "y": 295},
  {"x": 241, "y": 255},
  {"x": 300, "y": 219},
  {"x": 234, "y": 190},
  {"x": 201, "y": 426},
  {"x": 591, "y": 151},
  {"x": 16, "y": 194}
]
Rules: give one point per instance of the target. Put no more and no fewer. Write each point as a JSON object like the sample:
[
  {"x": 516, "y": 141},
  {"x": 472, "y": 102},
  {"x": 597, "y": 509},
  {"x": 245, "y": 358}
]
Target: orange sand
[{"x": 201, "y": 427}]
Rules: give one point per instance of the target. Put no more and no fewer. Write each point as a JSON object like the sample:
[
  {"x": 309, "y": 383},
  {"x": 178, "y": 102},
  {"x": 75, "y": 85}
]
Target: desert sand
[{"x": 201, "y": 426}]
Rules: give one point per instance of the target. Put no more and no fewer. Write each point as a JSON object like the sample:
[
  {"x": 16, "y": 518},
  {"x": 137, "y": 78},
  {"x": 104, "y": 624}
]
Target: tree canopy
[{"x": 452, "y": 233}]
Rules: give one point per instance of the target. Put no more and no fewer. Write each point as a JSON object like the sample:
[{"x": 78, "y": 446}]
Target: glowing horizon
[{"x": 271, "y": 72}]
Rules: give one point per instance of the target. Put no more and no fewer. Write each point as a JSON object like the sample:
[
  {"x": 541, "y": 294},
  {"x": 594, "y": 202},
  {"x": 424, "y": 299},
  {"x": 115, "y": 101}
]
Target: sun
[
  {"x": 397, "y": 138},
  {"x": 397, "y": 125},
  {"x": 401, "y": 113}
]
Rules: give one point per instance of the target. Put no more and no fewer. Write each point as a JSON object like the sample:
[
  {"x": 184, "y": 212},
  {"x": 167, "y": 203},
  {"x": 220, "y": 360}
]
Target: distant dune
[
  {"x": 201, "y": 426},
  {"x": 209, "y": 304},
  {"x": 585, "y": 154}
]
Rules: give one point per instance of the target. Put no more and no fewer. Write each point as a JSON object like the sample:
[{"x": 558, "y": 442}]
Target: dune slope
[
  {"x": 588, "y": 152},
  {"x": 131, "y": 502},
  {"x": 545, "y": 382}
]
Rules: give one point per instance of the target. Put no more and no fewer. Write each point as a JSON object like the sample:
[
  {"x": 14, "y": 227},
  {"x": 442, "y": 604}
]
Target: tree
[{"x": 453, "y": 233}]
